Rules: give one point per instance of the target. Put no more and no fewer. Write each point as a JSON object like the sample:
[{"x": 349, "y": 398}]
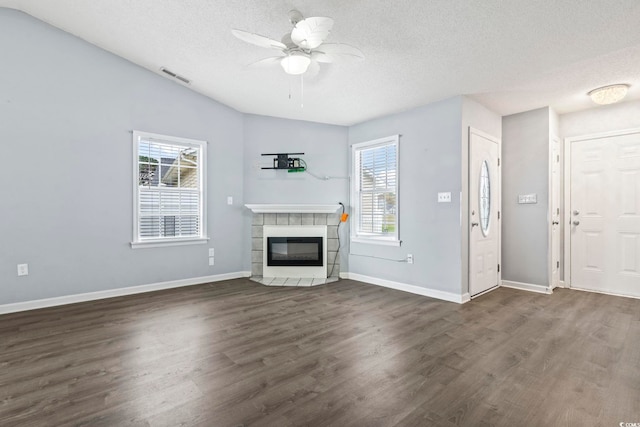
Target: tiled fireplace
[{"x": 293, "y": 229}]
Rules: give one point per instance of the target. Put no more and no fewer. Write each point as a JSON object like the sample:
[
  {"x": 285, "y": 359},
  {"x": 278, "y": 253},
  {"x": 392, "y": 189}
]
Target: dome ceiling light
[{"x": 609, "y": 94}]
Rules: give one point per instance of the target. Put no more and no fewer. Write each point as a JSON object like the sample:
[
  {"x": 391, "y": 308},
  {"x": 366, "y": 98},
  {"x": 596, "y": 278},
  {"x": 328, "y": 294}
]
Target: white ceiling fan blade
[
  {"x": 335, "y": 49},
  {"x": 258, "y": 40},
  {"x": 321, "y": 57},
  {"x": 311, "y": 32},
  {"x": 266, "y": 62}
]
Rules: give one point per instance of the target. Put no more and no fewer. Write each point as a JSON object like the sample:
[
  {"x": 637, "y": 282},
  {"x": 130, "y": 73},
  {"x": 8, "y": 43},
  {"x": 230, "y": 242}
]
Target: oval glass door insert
[{"x": 485, "y": 198}]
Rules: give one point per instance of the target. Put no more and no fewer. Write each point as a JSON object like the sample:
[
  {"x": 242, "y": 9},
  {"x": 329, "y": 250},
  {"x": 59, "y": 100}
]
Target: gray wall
[
  {"x": 480, "y": 118},
  {"x": 554, "y": 123},
  {"x": 67, "y": 110},
  {"x": 525, "y": 170},
  {"x": 430, "y": 162},
  {"x": 326, "y": 154}
]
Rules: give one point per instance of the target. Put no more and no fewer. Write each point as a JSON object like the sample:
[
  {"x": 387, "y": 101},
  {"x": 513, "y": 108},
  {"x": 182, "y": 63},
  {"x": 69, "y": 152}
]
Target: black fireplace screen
[{"x": 294, "y": 251}]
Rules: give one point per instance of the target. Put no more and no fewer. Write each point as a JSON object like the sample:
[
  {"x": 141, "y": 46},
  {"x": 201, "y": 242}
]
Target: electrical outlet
[
  {"x": 23, "y": 269},
  {"x": 410, "y": 258},
  {"x": 212, "y": 261},
  {"x": 212, "y": 252},
  {"x": 444, "y": 197}
]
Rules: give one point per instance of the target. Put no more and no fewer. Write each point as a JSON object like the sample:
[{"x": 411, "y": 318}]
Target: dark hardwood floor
[{"x": 345, "y": 354}]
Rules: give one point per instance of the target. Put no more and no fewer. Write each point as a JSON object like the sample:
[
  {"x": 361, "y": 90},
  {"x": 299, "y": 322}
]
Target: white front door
[
  {"x": 484, "y": 202},
  {"x": 604, "y": 216}
]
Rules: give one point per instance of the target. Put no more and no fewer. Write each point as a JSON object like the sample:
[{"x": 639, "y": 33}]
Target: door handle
[
  {"x": 473, "y": 224},
  {"x": 555, "y": 222},
  {"x": 576, "y": 222}
]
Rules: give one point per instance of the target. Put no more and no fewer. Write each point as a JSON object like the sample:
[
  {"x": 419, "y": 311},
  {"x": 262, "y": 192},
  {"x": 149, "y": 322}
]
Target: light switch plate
[
  {"x": 212, "y": 252},
  {"x": 444, "y": 197},
  {"x": 229, "y": 200},
  {"x": 525, "y": 199},
  {"x": 212, "y": 261}
]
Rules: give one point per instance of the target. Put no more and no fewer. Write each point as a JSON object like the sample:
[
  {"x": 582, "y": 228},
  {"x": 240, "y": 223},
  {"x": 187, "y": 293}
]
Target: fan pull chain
[{"x": 301, "y": 90}]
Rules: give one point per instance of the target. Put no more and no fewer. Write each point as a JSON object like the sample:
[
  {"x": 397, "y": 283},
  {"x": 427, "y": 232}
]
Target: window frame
[
  {"x": 358, "y": 236},
  {"x": 202, "y": 238}
]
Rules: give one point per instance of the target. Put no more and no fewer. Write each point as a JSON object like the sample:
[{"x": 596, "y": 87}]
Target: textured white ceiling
[{"x": 511, "y": 56}]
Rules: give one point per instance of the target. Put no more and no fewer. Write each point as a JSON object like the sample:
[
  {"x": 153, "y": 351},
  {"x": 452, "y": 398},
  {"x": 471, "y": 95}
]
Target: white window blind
[
  {"x": 375, "y": 189},
  {"x": 169, "y": 189}
]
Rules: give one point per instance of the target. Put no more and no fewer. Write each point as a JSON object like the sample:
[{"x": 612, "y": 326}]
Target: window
[
  {"x": 375, "y": 191},
  {"x": 485, "y": 199},
  {"x": 169, "y": 201}
]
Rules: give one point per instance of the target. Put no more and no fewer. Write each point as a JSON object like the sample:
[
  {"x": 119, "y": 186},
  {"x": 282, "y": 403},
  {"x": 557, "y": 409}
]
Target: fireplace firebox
[{"x": 295, "y": 251}]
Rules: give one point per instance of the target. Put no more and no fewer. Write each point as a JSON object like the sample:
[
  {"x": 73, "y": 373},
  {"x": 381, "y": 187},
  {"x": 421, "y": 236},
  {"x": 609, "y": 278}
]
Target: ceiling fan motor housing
[{"x": 295, "y": 17}]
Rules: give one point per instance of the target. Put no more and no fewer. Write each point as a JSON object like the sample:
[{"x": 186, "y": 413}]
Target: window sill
[
  {"x": 376, "y": 241},
  {"x": 168, "y": 242}
]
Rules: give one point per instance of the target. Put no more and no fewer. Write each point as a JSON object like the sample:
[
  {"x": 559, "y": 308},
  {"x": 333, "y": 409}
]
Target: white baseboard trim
[
  {"x": 526, "y": 287},
  {"x": 111, "y": 293},
  {"x": 418, "y": 290},
  {"x": 605, "y": 293}
]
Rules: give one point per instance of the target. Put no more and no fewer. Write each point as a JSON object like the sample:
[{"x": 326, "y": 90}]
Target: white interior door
[
  {"x": 555, "y": 213},
  {"x": 604, "y": 217},
  {"x": 484, "y": 202}
]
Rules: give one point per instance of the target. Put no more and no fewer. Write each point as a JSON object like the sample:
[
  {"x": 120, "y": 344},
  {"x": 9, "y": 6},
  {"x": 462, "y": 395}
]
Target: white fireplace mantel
[{"x": 292, "y": 208}]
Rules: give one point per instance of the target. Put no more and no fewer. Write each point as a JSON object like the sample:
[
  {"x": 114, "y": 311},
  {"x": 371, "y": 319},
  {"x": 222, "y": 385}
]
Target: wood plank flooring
[{"x": 237, "y": 353}]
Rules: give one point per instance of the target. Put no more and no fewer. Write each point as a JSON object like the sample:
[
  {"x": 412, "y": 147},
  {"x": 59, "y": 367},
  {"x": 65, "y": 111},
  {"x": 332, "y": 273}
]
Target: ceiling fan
[{"x": 304, "y": 47}]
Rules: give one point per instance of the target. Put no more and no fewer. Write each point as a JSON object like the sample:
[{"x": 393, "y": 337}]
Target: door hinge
[
  {"x": 557, "y": 211},
  {"x": 498, "y": 268},
  {"x": 557, "y": 264},
  {"x": 498, "y": 161},
  {"x": 558, "y": 158},
  {"x": 498, "y": 214}
]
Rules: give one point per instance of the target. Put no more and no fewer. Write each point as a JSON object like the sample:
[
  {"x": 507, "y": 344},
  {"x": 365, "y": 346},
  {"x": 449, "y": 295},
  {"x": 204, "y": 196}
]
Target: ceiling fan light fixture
[
  {"x": 301, "y": 49},
  {"x": 295, "y": 63},
  {"x": 609, "y": 94}
]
